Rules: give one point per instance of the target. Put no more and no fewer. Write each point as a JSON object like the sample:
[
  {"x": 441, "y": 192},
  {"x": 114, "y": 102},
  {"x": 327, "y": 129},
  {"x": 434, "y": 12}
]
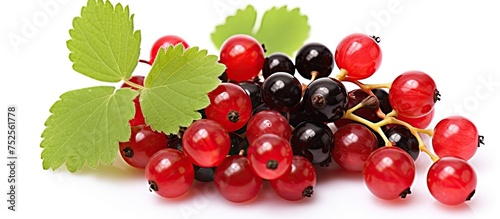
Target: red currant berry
[
  {"x": 137, "y": 79},
  {"x": 138, "y": 117},
  {"x": 359, "y": 54},
  {"x": 235, "y": 179},
  {"x": 164, "y": 42},
  {"x": 169, "y": 173},
  {"x": 413, "y": 94},
  {"x": 206, "y": 143},
  {"x": 451, "y": 180},
  {"x": 270, "y": 156},
  {"x": 267, "y": 122},
  {"x": 455, "y": 136},
  {"x": 419, "y": 122},
  {"x": 230, "y": 106},
  {"x": 298, "y": 182},
  {"x": 353, "y": 143},
  {"x": 143, "y": 143},
  {"x": 389, "y": 173},
  {"x": 243, "y": 56}
]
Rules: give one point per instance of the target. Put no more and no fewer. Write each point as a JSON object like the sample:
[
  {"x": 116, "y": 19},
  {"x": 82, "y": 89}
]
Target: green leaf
[
  {"x": 177, "y": 86},
  {"x": 85, "y": 127},
  {"x": 242, "y": 22},
  {"x": 281, "y": 29},
  {"x": 103, "y": 44}
]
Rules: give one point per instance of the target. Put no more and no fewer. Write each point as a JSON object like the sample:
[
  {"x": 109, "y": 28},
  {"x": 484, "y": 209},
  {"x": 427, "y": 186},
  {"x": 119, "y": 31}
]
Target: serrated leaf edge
[
  {"x": 70, "y": 168},
  {"x": 118, "y": 8},
  {"x": 254, "y": 32},
  {"x": 182, "y": 53},
  {"x": 231, "y": 17}
]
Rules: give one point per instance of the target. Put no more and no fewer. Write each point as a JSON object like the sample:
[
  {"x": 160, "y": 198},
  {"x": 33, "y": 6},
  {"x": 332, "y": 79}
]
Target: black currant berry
[
  {"x": 204, "y": 174},
  {"x": 253, "y": 91},
  {"x": 383, "y": 100},
  {"x": 263, "y": 107},
  {"x": 325, "y": 99},
  {"x": 239, "y": 145},
  {"x": 203, "y": 113},
  {"x": 281, "y": 91},
  {"x": 357, "y": 96},
  {"x": 277, "y": 62},
  {"x": 259, "y": 108},
  {"x": 174, "y": 142},
  {"x": 314, "y": 58},
  {"x": 298, "y": 114},
  {"x": 404, "y": 139},
  {"x": 223, "y": 77},
  {"x": 313, "y": 140}
]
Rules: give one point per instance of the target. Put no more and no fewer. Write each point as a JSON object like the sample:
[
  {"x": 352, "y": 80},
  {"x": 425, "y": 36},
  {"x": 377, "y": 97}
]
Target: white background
[{"x": 456, "y": 43}]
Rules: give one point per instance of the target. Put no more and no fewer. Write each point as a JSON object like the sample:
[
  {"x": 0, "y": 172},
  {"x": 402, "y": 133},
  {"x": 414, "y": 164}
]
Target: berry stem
[
  {"x": 314, "y": 74},
  {"x": 393, "y": 113},
  {"x": 380, "y": 114},
  {"x": 341, "y": 75},
  {"x": 391, "y": 119},
  {"x": 132, "y": 84},
  {"x": 358, "y": 106},
  {"x": 428, "y": 132},
  {"x": 414, "y": 132},
  {"x": 350, "y": 115},
  {"x": 367, "y": 87},
  {"x": 241, "y": 152},
  {"x": 424, "y": 149}
]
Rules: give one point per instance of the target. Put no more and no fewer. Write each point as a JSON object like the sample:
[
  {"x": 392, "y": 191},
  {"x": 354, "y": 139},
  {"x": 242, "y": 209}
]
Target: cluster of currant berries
[{"x": 263, "y": 123}]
